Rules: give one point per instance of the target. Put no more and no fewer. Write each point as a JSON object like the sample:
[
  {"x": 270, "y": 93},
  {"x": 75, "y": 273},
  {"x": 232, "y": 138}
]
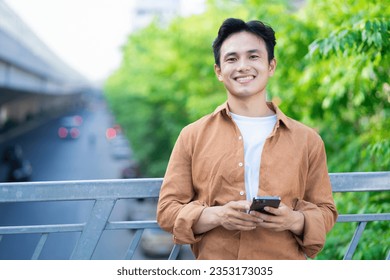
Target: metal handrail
[{"x": 105, "y": 194}]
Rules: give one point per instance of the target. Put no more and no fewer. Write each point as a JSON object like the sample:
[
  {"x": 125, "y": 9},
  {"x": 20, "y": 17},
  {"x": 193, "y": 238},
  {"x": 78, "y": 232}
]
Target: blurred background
[{"x": 101, "y": 89}]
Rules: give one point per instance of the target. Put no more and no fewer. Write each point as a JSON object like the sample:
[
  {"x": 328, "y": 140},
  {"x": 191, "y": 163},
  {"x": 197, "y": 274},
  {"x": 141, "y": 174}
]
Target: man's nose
[{"x": 243, "y": 65}]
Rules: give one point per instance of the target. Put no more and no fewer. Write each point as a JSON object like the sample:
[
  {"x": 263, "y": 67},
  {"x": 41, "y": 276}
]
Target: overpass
[{"x": 34, "y": 82}]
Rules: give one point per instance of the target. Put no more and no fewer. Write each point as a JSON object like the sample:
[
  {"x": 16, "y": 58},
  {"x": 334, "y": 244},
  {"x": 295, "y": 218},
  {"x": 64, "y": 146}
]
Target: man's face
[{"x": 244, "y": 67}]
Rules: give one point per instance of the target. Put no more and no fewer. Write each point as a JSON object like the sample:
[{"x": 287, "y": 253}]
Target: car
[
  {"x": 19, "y": 168},
  {"x": 120, "y": 147},
  {"x": 156, "y": 243},
  {"x": 70, "y": 127},
  {"x": 121, "y": 152},
  {"x": 132, "y": 170}
]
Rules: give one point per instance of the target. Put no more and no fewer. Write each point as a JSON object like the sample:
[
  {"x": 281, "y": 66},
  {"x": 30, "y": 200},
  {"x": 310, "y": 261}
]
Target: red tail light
[
  {"x": 62, "y": 132},
  {"x": 110, "y": 133}
]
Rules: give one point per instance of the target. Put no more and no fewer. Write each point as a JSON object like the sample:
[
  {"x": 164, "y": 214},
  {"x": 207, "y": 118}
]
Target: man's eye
[
  {"x": 231, "y": 59},
  {"x": 254, "y": 57}
]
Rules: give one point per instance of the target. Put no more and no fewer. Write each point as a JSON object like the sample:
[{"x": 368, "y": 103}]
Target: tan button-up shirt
[{"x": 206, "y": 168}]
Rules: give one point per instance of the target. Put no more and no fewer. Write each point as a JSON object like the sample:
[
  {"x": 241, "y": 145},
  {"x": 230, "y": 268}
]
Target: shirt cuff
[
  {"x": 313, "y": 238},
  {"x": 188, "y": 216}
]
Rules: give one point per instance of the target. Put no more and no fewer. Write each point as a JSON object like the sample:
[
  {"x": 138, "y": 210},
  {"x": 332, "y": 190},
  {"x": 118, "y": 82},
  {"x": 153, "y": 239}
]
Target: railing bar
[
  {"x": 134, "y": 244},
  {"x": 360, "y": 181},
  {"x": 41, "y": 228},
  {"x": 39, "y": 247},
  {"x": 80, "y": 190},
  {"x": 141, "y": 188},
  {"x": 355, "y": 240},
  {"x": 175, "y": 252},
  {"x": 131, "y": 225},
  {"x": 343, "y": 218}
]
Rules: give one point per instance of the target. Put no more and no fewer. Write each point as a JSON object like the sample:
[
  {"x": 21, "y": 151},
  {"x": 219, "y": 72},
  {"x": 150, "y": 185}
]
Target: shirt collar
[{"x": 280, "y": 116}]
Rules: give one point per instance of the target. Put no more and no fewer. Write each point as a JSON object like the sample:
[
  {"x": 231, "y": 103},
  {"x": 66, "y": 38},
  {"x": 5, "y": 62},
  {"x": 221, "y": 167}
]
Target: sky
[{"x": 86, "y": 34}]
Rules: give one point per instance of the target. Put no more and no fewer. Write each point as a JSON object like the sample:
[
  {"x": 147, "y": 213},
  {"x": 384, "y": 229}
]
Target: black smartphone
[{"x": 259, "y": 202}]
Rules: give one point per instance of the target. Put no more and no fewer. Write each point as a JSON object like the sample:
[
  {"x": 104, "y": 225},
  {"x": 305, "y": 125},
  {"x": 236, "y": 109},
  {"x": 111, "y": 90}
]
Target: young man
[{"x": 247, "y": 147}]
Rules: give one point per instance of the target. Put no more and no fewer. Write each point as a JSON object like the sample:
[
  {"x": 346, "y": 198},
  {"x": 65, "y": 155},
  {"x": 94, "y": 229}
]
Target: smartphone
[{"x": 259, "y": 202}]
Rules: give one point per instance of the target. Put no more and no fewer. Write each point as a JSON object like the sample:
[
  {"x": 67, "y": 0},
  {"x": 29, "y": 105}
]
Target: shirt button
[
  {"x": 242, "y": 192},
  {"x": 240, "y": 164}
]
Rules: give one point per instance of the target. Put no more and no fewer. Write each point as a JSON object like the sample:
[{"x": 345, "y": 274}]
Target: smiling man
[{"x": 246, "y": 148}]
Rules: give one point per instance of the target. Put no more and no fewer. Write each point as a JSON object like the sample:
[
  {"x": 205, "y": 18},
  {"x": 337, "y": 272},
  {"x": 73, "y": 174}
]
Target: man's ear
[
  {"x": 217, "y": 71},
  {"x": 272, "y": 67}
]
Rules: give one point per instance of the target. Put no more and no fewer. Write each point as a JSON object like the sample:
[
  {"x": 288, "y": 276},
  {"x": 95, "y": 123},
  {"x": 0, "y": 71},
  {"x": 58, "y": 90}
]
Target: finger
[
  {"x": 239, "y": 224},
  {"x": 271, "y": 226},
  {"x": 241, "y": 228},
  {"x": 268, "y": 218},
  {"x": 241, "y": 205},
  {"x": 257, "y": 215},
  {"x": 246, "y": 219},
  {"x": 271, "y": 210}
]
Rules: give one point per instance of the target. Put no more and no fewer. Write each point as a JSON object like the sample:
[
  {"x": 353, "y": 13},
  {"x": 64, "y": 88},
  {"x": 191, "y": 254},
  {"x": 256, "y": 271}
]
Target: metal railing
[{"x": 106, "y": 193}]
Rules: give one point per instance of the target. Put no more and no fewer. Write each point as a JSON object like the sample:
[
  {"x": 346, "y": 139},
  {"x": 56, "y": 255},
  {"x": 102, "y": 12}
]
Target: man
[{"x": 247, "y": 147}]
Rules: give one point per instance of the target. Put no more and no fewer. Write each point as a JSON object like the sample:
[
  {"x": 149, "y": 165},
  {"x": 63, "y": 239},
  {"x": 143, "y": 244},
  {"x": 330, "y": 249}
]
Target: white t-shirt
[{"x": 255, "y": 131}]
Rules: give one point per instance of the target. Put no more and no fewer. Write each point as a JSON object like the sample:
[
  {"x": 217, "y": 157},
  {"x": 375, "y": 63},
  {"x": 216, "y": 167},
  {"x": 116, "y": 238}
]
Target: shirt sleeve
[
  {"x": 177, "y": 209},
  {"x": 317, "y": 206}
]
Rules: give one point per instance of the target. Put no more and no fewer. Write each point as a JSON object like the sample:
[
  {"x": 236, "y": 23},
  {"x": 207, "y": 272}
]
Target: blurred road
[{"x": 88, "y": 157}]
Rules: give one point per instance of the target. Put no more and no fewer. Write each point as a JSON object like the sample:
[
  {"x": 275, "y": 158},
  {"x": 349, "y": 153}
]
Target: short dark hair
[{"x": 234, "y": 25}]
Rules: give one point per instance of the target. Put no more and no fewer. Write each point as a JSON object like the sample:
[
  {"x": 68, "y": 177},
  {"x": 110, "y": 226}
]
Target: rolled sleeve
[
  {"x": 178, "y": 209},
  {"x": 317, "y": 205},
  {"x": 314, "y": 234},
  {"x": 187, "y": 217}
]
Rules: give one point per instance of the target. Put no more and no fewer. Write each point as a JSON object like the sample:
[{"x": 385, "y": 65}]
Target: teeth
[{"x": 244, "y": 79}]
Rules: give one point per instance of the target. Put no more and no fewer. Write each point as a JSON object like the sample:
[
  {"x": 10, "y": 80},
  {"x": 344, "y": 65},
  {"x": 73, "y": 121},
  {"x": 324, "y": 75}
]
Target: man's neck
[{"x": 250, "y": 107}]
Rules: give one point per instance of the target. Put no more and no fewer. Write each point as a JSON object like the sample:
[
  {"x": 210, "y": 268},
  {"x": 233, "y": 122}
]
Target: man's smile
[{"x": 244, "y": 79}]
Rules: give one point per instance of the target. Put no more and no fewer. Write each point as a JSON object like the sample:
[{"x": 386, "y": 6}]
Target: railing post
[
  {"x": 134, "y": 244},
  {"x": 175, "y": 252},
  {"x": 93, "y": 230},
  {"x": 40, "y": 245},
  {"x": 355, "y": 240}
]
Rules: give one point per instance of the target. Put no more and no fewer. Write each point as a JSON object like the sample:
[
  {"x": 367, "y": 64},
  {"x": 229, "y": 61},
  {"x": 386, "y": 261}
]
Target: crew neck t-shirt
[{"x": 255, "y": 131}]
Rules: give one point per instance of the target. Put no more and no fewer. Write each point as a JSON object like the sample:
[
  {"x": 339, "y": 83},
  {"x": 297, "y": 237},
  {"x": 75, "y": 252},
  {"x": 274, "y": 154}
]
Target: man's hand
[
  {"x": 283, "y": 218},
  {"x": 232, "y": 216}
]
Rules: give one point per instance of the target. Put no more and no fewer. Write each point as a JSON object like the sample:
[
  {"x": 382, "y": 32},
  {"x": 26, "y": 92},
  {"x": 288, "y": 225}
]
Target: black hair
[{"x": 234, "y": 25}]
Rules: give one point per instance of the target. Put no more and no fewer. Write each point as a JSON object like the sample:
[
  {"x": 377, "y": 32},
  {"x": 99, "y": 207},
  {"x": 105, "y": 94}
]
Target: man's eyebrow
[{"x": 253, "y": 51}]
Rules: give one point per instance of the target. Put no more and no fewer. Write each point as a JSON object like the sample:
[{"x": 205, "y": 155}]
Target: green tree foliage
[
  {"x": 332, "y": 74},
  {"x": 165, "y": 81},
  {"x": 340, "y": 86},
  {"x": 350, "y": 61}
]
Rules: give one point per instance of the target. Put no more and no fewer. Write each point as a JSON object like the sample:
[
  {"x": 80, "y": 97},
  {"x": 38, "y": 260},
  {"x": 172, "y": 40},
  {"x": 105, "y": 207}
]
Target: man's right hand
[{"x": 232, "y": 216}]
